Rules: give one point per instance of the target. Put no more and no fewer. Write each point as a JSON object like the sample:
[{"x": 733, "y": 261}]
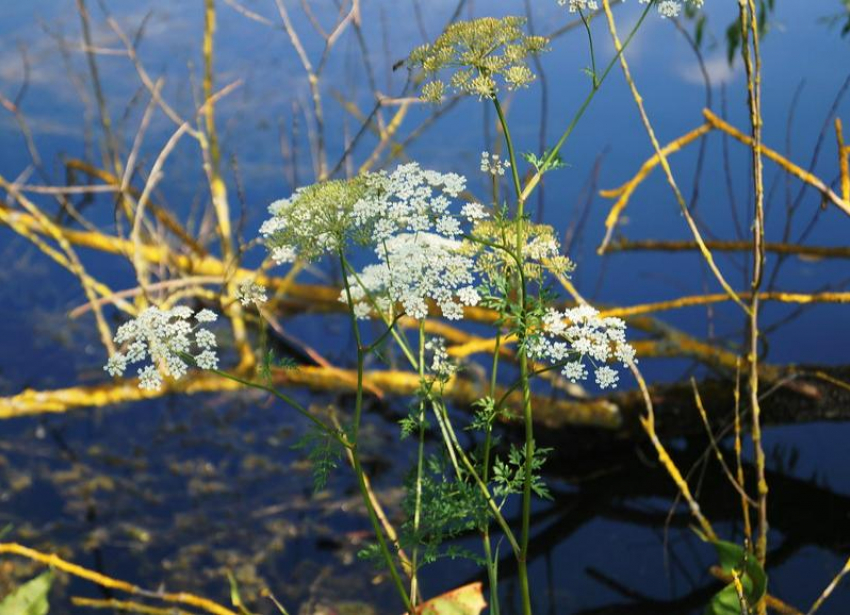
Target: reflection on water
[{"x": 179, "y": 493}]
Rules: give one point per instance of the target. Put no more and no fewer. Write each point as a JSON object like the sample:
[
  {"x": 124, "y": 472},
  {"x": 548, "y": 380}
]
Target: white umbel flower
[
  {"x": 578, "y": 335},
  {"x": 579, "y": 5},
  {"x": 413, "y": 269},
  {"x": 493, "y": 164},
  {"x": 409, "y": 200},
  {"x": 166, "y": 338},
  {"x": 249, "y": 292}
]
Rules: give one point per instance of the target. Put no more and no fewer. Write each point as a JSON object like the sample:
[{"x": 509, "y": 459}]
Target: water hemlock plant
[{"x": 430, "y": 252}]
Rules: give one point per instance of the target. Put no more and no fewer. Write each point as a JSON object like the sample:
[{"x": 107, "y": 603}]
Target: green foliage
[
  {"x": 235, "y": 596},
  {"x": 270, "y": 362},
  {"x": 753, "y": 579},
  {"x": 509, "y": 476},
  {"x": 413, "y": 422},
  {"x": 449, "y": 508},
  {"x": 30, "y": 598},
  {"x": 539, "y": 162},
  {"x": 323, "y": 451},
  {"x": 484, "y": 415}
]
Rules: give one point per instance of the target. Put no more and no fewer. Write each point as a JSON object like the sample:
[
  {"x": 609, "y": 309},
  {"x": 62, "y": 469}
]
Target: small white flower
[
  {"x": 581, "y": 333},
  {"x": 116, "y": 364},
  {"x": 250, "y": 292},
  {"x": 441, "y": 364},
  {"x": 492, "y": 164},
  {"x": 284, "y": 254},
  {"x": 206, "y": 316},
  {"x": 473, "y": 212},
  {"x": 468, "y": 296},
  {"x": 149, "y": 378},
  {"x": 579, "y": 5},
  {"x": 607, "y": 377},
  {"x": 207, "y": 360},
  {"x": 574, "y": 371},
  {"x": 169, "y": 339},
  {"x": 669, "y": 8},
  {"x": 415, "y": 268}
]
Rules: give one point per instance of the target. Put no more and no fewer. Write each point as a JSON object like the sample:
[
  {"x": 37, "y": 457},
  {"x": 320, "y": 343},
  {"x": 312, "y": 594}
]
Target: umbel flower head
[
  {"x": 409, "y": 200},
  {"x": 313, "y": 221},
  {"x": 579, "y": 335},
  {"x": 541, "y": 252},
  {"x": 164, "y": 339},
  {"x": 484, "y": 54},
  {"x": 413, "y": 269}
]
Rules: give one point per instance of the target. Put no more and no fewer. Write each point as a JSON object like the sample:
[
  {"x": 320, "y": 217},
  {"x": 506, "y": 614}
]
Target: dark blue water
[{"x": 214, "y": 484}]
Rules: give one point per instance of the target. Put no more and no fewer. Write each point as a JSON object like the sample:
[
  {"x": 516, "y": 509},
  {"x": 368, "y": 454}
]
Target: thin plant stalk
[
  {"x": 355, "y": 449},
  {"x": 420, "y": 460},
  {"x": 752, "y": 64}
]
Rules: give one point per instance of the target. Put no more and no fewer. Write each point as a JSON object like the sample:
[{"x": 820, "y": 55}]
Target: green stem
[
  {"x": 456, "y": 452},
  {"x": 550, "y": 157},
  {"x": 522, "y": 563},
  {"x": 420, "y": 462},
  {"x": 492, "y": 571},
  {"x": 334, "y": 433},
  {"x": 586, "y": 23},
  {"x": 355, "y": 447}
]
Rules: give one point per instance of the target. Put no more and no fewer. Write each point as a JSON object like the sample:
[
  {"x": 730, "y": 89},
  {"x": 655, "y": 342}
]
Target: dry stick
[
  {"x": 139, "y": 261},
  {"x": 66, "y": 189},
  {"x": 313, "y": 80},
  {"x": 829, "y": 589},
  {"x": 650, "y": 245},
  {"x": 12, "y": 220},
  {"x": 248, "y": 13},
  {"x": 843, "y": 160},
  {"x": 218, "y": 192},
  {"x": 745, "y": 505},
  {"x": 54, "y": 561},
  {"x": 612, "y": 27},
  {"x": 739, "y": 487},
  {"x": 130, "y": 165},
  {"x": 162, "y": 215},
  {"x": 115, "y": 297},
  {"x": 693, "y": 300},
  {"x": 127, "y": 605},
  {"x": 798, "y": 172},
  {"x": 626, "y": 191},
  {"x": 714, "y": 122},
  {"x": 105, "y": 120},
  {"x": 752, "y": 64},
  {"x": 73, "y": 262},
  {"x": 648, "y": 423}
]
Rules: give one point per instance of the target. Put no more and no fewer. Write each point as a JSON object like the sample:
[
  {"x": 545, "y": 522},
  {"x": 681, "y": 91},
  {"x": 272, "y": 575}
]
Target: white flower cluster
[
  {"x": 417, "y": 242},
  {"x": 414, "y": 268},
  {"x": 673, "y": 8},
  {"x": 541, "y": 253},
  {"x": 167, "y": 338},
  {"x": 409, "y": 200},
  {"x": 492, "y": 164},
  {"x": 577, "y": 334},
  {"x": 441, "y": 365},
  {"x": 666, "y": 8},
  {"x": 313, "y": 221},
  {"x": 250, "y": 292},
  {"x": 579, "y": 5}
]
